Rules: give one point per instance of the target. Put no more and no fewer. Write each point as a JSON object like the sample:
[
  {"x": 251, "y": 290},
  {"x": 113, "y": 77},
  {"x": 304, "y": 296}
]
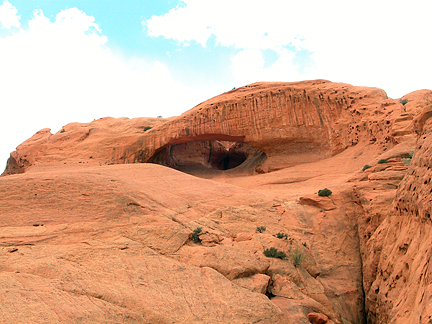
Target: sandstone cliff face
[
  {"x": 84, "y": 240},
  {"x": 290, "y": 123},
  {"x": 395, "y": 229}
]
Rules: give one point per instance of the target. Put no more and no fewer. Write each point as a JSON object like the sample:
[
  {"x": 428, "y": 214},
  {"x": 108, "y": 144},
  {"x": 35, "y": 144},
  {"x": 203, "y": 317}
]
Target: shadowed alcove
[{"x": 209, "y": 157}]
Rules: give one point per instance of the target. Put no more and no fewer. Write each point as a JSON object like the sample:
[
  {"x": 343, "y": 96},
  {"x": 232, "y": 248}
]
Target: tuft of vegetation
[
  {"x": 324, "y": 192},
  {"x": 261, "y": 229},
  {"x": 406, "y": 161},
  {"x": 274, "y": 253},
  {"x": 63, "y": 130},
  {"x": 281, "y": 235},
  {"x": 403, "y": 101},
  {"x": 195, "y": 235},
  {"x": 304, "y": 244},
  {"x": 367, "y": 166},
  {"x": 297, "y": 257},
  {"x": 411, "y": 154},
  {"x": 382, "y": 161},
  {"x": 147, "y": 128}
]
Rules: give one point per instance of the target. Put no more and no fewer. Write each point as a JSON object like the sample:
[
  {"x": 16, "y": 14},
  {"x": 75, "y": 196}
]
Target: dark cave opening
[
  {"x": 230, "y": 160},
  {"x": 214, "y": 156}
]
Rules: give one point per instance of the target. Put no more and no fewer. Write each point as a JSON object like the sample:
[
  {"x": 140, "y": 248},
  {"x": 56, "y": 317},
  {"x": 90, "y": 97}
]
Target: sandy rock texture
[
  {"x": 398, "y": 244},
  {"x": 286, "y": 123},
  {"x": 89, "y": 236}
]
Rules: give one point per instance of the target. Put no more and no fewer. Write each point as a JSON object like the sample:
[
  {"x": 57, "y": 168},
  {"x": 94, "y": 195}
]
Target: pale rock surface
[{"x": 255, "y": 283}]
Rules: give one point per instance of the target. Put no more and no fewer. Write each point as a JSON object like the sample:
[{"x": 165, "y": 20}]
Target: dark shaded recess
[
  {"x": 210, "y": 155},
  {"x": 227, "y": 160}
]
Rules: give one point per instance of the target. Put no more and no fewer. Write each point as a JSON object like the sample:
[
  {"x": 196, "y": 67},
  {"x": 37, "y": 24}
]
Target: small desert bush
[
  {"x": 403, "y": 101},
  {"x": 274, "y": 253},
  {"x": 281, "y": 235},
  {"x": 324, "y": 192},
  {"x": 367, "y": 166},
  {"x": 297, "y": 257},
  {"x": 195, "y": 234},
  {"x": 382, "y": 161},
  {"x": 261, "y": 229},
  {"x": 406, "y": 161}
]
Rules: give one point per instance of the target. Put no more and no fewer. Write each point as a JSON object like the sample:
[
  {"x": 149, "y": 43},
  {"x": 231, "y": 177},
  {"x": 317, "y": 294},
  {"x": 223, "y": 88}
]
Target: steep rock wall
[
  {"x": 394, "y": 209},
  {"x": 290, "y": 122}
]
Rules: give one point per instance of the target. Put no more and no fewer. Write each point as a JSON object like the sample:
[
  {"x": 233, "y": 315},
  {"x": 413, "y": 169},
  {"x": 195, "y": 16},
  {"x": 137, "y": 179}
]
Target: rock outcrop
[
  {"x": 397, "y": 247},
  {"x": 90, "y": 234},
  {"x": 288, "y": 123}
]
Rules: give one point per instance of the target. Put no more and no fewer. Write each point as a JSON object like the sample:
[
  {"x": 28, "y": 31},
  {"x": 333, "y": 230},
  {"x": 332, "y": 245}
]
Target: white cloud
[
  {"x": 8, "y": 15},
  {"x": 248, "y": 67},
  {"x": 373, "y": 43},
  {"x": 61, "y": 71}
]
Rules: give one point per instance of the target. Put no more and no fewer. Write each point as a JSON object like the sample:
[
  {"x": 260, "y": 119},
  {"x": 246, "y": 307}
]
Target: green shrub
[
  {"x": 281, "y": 235},
  {"x": 403, "y": 101},
  {"x": 147, "y": 128},
  {"x": 261, "y": 229},
  {"x": 324, "y": 192},
  {"x": 195, "y": 235},
  {"x": 411, "y": 153},
  {"x": 62, "y": 131},
  {"x": 382, "y": 161},
  {"x": 367, "y": 166},
  {"x": 297, "y": 257},
  {"x": 406, "y": 161},
  {"x": 274, "y": 253}
]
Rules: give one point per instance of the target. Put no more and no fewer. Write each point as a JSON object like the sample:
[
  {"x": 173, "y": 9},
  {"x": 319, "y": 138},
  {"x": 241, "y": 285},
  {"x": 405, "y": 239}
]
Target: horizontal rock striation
[
  {"x": 290, "y": 123},
  {"x": 396, "y": 242}
]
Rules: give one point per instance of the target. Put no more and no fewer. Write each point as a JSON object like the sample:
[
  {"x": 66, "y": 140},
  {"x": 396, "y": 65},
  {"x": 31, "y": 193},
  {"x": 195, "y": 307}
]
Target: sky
[{"x": 79, "y": 60}]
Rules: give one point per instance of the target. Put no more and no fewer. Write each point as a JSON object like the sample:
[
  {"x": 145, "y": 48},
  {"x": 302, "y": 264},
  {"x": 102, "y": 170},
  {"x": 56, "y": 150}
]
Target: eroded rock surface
[
  {"x": 82, "y": 240},
  {"x": 290, "y": 123}
]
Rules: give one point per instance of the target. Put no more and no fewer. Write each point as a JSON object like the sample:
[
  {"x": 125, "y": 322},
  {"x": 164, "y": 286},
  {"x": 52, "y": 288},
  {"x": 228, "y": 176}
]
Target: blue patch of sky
[
  {"x": 120, "y": 21},
  {"x": 270, "y": 57},
  {"x": 303, "y": 60},
  {"x": 197, "y": 65}
]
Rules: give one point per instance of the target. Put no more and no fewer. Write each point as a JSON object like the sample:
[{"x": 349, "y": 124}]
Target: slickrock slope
[
  {"x": 89, "y": 236},
  {"x": 112, "y": 244}
]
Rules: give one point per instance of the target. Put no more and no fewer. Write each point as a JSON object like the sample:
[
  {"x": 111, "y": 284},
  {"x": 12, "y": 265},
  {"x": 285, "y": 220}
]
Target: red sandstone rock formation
[
  {"x": 398, "y": 281},
  {"x": 290, "y": 123},
  {"x": 84, "y": 240}
]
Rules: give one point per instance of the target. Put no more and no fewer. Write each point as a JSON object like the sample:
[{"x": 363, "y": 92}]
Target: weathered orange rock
[
  {"x": 324, "y": 203},
  {"x": 83, "y": 239},
  {"x": 282, "y": 286},
  {"x": 289, "y": 123},
  {"x": 243, "y": 237},
  {"x": 255, "y": 283},
  {"x": 317, "y": 318}
]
